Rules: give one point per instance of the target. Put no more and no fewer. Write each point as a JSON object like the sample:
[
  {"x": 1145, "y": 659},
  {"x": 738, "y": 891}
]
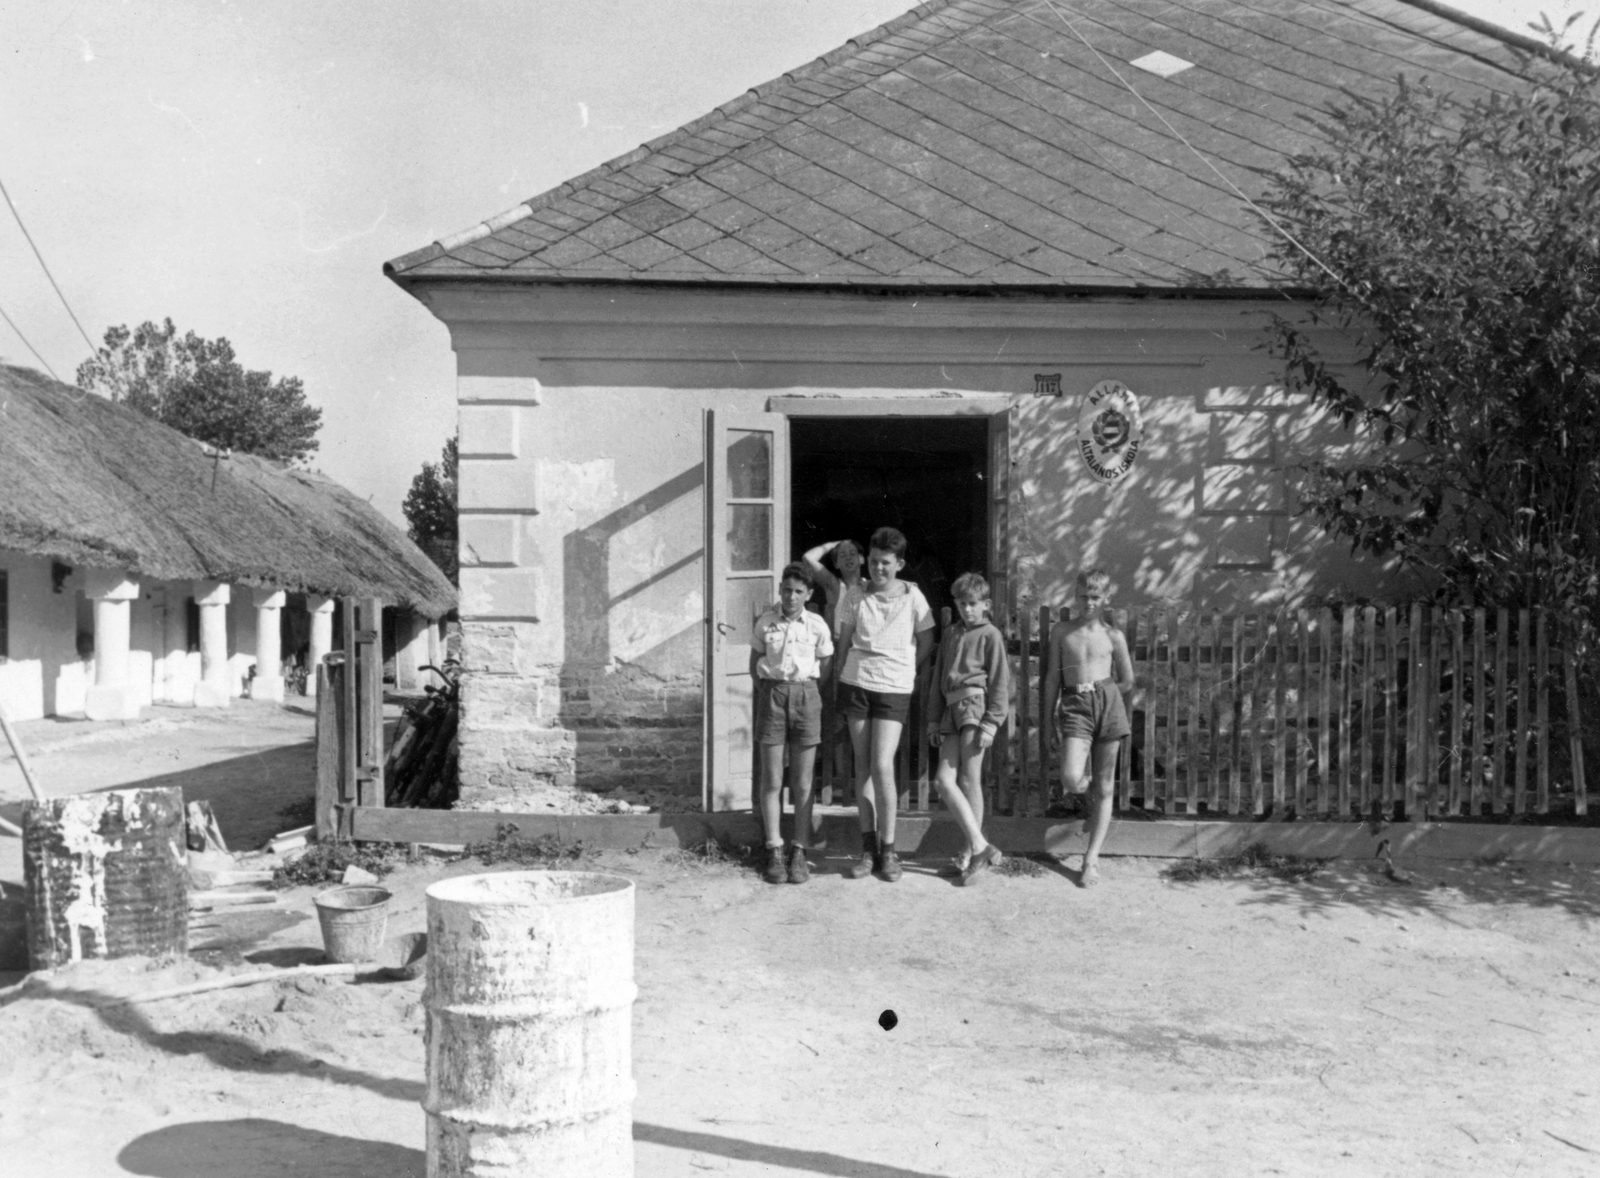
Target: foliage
[
  {"x": 198, "y": 387},
  {"x": 1458, "y": 240},
  {"x": 509, "y": 846},
  {"x": 326, "y": 862},
  {"x": 1255, "y": 861},
  {"x": 430, "y": 509}
]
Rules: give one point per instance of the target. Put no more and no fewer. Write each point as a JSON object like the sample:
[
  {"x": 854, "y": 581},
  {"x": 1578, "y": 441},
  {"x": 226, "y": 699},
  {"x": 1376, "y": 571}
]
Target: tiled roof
[{"x": 989, "y": 143}]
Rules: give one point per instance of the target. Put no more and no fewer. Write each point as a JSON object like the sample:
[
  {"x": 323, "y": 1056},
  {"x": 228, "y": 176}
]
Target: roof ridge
[
  {"x": 754, "y": 94},
  {"x": 1510, "y": 36}
]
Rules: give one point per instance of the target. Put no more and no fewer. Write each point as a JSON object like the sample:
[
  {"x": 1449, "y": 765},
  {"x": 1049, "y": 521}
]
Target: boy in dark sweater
[{"x": 971, "y": 698}]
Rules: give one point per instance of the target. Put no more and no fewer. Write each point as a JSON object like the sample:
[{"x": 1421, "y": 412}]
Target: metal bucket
[
  {"x": 353, "y": 920},
  {"x": 530, "y": 1006},
  {"x": 105, "y": 876}
]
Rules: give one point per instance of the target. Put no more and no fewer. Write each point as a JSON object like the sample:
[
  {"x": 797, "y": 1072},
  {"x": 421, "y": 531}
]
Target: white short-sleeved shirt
[
  {"x": 791, "y": 651},
  {"x": 849, "y": 596},
  {"x": 883, "y": 647}
]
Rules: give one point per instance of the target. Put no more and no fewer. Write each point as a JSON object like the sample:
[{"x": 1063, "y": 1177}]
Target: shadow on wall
[{"x": 634, "y": 617}]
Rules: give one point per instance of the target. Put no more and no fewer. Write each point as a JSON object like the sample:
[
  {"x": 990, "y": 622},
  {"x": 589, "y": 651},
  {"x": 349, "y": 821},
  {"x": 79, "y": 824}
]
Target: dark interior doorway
[{"x": 924, "y": 475}]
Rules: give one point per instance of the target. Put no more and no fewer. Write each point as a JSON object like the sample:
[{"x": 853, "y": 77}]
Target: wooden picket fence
[{"x": 1404, "y": 710}]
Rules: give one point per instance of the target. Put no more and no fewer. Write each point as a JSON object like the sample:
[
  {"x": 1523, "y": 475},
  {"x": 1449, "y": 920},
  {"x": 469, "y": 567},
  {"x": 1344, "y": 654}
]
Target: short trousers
[
  {"x": 962, "y": 713},
  {"x": 1096, "y": 714},
  {"x": 788, "y": 712},
  {"x": 860, "y": 703}
]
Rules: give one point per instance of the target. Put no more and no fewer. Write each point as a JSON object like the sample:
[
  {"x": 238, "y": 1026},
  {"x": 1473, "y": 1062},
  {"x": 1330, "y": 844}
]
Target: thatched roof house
[{"x": 95, "y": 484}]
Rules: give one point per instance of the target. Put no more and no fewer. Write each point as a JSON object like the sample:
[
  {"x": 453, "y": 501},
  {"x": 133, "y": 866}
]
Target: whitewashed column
[
  {"x": 113, "y": 696},
  {"x": 321, "y": 611},
  {"x": 268, "y": 682},
  {"x": 213, "y": 689}
]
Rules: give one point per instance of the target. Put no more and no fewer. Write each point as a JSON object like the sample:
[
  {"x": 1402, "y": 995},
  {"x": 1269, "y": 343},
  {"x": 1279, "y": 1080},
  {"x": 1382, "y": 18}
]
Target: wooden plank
[
  {"x": 1046, "y": 721},
  {"x": 1519, "y": 795},
  {"x": 1391, "y": 702},
  {"x": 1147, "y": 688},
  {"x": 1217, "y": 685},
  {"x": 1499, "y": 796},
  {"x": 350, "y": 701},
  {"x": 1542, "y": 714},
  {"x": 1346, "y": 703},
  {"x": 1458, "y": 673},
  {"x": 1569, "y": 660},
  {"x": 1305, "y": 766},
  {"x": 1258, "y": 714},
  {"x": 1170, "y": 783},
  {"x": 1474, "y": 752},
  {"x": 1433, "y": 638},
  {"x": 1414, "y": 708},
  {"x": 1327, "y": 700},
  {"x": 330, "y": 690},
  {"x": 1280, "y": 731},
  {"x": 1125, "y": 755},
  {"x": 1193, "y": 696},
  {"x": 1024, "y": 693},
  {"x": 1370, "y": 743},
  {"x": 1238, "y": 738}
]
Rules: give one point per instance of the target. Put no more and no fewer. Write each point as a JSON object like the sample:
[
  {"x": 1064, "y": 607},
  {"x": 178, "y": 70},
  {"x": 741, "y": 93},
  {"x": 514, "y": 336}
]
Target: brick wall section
[{"x": 530, "y": 728}]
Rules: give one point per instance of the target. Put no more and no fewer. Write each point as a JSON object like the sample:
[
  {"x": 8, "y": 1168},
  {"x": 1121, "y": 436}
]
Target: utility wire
[
  {"x": 10, "y": 323},
  {"x": 1266, "y": 216},
  {"x": 11, "y": 204}
]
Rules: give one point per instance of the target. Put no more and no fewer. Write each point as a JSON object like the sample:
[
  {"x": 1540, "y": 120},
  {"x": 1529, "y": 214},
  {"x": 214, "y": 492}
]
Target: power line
[
  {"x": 29, "y": 346},
  {"x": 11, "y": 204}
]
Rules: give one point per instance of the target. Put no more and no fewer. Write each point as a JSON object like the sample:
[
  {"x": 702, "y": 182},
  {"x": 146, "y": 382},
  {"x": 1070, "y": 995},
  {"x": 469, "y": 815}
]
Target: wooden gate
[{"x": 350, "y": 720}]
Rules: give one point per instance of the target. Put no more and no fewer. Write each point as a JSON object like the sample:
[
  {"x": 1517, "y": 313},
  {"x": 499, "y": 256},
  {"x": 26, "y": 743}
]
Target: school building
[{"x": 984, "y": 273}]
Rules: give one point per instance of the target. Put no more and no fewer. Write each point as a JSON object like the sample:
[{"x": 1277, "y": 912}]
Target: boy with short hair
[
  {"x": 791, "y": 651},
  {"x": 971, "y": 698},
  {"x": 1088, "y": 673},
  {"x": 886, "y": 635}
]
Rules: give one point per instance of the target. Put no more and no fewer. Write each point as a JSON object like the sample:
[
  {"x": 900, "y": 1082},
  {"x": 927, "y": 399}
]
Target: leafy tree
[
  {"x": 430, "y": 509},
  {"x": 1457, "y": 240},
  {"x": 198, "y": 387}
]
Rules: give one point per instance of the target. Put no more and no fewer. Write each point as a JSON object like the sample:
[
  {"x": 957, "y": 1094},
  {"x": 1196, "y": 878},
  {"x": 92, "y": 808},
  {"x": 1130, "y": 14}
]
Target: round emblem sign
[{"x": 1110, "y": 430}]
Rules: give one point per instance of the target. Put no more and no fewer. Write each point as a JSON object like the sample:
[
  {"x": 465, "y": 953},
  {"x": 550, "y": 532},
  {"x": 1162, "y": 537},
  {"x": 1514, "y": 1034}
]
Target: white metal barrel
[{"x": 530, "y": 1011}]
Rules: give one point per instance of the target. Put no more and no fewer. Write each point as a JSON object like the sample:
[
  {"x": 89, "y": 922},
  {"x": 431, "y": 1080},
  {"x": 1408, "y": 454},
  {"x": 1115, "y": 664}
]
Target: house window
[{"x": 5, "y": 617}]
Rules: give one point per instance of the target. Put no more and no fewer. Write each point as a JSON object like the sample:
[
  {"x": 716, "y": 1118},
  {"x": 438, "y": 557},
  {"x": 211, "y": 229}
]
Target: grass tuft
[
  {"x": 1255, "y": 862},
  {"x": 326, "y": 862},
  {"x": 1027, "y": 866},
  {"x": 546, "y": 851},
  {"x": 713, "y": 853}
]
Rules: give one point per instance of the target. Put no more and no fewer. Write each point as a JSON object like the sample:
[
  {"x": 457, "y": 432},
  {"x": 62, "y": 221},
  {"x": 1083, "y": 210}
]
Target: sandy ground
[{"x": 1346, "y": 1026}]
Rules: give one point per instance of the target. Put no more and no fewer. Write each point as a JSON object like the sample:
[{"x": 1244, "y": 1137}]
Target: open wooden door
[
  {"x": 747, "y": 545},
  {"x": 999, "y": 518}
]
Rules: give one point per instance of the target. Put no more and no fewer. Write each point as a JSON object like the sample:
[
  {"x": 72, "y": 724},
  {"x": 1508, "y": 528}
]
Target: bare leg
[
  {"x": 861, "y": 747},
  {"x": 771, "y": 811},
  {"x": 802, "y": 759},
  {"x": 952, "y": 749},
  {"x": 1101, "y": 796},
  {"x": 972, "y": 784},
  {"x": 885, "y": 743}
]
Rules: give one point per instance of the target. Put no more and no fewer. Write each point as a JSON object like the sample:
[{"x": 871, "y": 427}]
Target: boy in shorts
[
  {"x": 886, "y": 635},
  {"x": 790, "y": 652},
  {"x": 970, "y": 699},
  {"x": 1088, "y": 672}
]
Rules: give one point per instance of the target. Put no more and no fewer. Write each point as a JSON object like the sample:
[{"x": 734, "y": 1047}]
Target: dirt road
[{"x": 1345, "y": 1026}]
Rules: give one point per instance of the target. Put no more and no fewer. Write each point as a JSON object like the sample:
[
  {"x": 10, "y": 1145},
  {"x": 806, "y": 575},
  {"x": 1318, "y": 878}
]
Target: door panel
[
  {"x": 746, "y": 547},
  {"x": 999, "y": 517}
]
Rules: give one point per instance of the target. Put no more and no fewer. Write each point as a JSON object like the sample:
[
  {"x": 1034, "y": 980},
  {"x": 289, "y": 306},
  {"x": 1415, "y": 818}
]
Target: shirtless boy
[{"x": 1088, "y": 673}]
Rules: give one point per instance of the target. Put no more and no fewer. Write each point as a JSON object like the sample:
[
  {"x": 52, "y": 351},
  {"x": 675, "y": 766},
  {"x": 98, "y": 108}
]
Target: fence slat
[
  {"x": 1569, "y": 660},
  {"x": 1211, "y": 709},
  {"x": 1238, "y": 737},
  {"x": 1295, "y": 779},
  {"x": 1414, "y": 679},
  {"x": 1475, "y": 749},
  {"x": 1502, "y": 710},
  {"x": 1388, "y": 767},
  {"x": 1542, "y": 714},
  {"x": 1192, "y": 745},
  {"x": 1325, "y": 702},
  {"x": 1146, "y": 684},
  {"x": 1428, "y": 762},
  {"x": 1125, "y": 753},
  {"x": 1258, "y": 714},
  {"x": 1458, "y": 672},
  {"x": 1345, "y": 702},
  {"x": 1369, "y": 687},
  {"x": 1280, "y": 731},
  {"x": 1519, "y": 795},
  {"x": 1174, "y": 704},
  {"x": 1024, "y": 698}
]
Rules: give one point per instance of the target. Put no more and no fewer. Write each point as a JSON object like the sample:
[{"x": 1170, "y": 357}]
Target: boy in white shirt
[
  {"x": 886, "y": 635},
  {"x": 790, "y": 651}
]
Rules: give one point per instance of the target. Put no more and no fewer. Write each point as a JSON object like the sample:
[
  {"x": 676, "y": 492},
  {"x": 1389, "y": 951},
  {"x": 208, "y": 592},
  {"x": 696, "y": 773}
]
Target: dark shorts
[
  {"x": 1097, "y": 714},
  {"x": 860, "y": 704},
  {"x": 788, "y": 713},
  {"x": 962, "y": 713}
]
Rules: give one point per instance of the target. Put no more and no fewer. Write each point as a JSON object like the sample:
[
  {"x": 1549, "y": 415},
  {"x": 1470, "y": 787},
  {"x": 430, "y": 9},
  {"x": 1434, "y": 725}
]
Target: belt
[{"x": 1083, "y": 688}]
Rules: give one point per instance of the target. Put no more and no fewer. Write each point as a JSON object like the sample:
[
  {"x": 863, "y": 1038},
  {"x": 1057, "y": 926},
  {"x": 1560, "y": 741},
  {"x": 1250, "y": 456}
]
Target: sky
[{"x": 247, "y": 168}]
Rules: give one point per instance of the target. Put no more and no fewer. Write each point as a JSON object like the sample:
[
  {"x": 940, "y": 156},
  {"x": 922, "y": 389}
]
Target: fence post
[
  {"x": 1580, "y": 795},
  {"x": 330, "y": 751}
]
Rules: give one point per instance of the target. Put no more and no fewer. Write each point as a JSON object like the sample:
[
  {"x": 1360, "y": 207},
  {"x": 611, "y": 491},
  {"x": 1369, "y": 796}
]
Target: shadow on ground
[
  {"x": 808, "y": 1161},
  {"x": 254, "y": 1147}
]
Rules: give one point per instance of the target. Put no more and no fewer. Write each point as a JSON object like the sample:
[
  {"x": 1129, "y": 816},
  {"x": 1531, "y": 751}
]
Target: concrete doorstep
[{"x": 937, "y": 834}]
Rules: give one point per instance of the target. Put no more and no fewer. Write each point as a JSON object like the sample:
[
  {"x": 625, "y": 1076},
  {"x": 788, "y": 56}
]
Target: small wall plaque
[
  {"x": 1047, "y": 384},
  {"x": 1110, "y": 430}
]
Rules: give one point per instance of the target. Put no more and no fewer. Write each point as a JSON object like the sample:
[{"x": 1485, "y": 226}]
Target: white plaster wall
[{"x": 43, "y": 629}]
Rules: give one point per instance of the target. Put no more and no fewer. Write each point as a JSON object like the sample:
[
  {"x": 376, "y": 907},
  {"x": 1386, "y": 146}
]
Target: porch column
[
  {"x": 212, "y": 691},
  {"x": 321, "y": 611},
  {"x": 268, "y": 682},
  {"x": 113, "y": 696},
  {"x": 410, "y": 648}
]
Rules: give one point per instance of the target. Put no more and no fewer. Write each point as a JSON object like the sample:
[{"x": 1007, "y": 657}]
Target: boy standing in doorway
[
  {"x": 1088, "y": 672},
  {"x": 790, "y": 652},
  {"x": 971, "y": 698},
  {"x": 885, "y": 635}
]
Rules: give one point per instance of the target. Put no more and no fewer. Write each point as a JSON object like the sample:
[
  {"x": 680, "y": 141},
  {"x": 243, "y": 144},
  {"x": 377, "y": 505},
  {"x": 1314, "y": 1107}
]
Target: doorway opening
[{"x": 926, "y": 476}]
